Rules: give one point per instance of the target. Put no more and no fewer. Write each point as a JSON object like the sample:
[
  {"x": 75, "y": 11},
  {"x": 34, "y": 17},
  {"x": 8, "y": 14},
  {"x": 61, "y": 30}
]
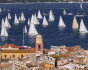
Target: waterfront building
[
  {"x": 10, "y": 51},
  {"x": 13, "y": 51}
]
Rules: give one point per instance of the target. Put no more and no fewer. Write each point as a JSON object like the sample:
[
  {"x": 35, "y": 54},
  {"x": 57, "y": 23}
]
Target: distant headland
[{"x": 42, "y": 1}]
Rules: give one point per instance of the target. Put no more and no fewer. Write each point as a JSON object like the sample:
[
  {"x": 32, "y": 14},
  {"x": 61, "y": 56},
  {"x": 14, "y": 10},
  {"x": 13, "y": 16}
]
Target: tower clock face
[{"x": 39, "y": 38}]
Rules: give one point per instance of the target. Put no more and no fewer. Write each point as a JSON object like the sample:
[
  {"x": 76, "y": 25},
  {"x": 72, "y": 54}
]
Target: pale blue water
[{"x": 52, "y": 35}]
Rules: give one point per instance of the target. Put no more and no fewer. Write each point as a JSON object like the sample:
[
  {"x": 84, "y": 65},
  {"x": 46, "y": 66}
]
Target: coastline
[{"x": 41, "y": 2}]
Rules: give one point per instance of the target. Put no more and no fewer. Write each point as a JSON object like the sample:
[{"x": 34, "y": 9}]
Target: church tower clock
[{"x": 39, "y": 45}]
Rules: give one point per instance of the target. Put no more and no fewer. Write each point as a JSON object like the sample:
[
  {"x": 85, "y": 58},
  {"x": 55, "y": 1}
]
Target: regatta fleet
[{"x": 35, "y": 20}]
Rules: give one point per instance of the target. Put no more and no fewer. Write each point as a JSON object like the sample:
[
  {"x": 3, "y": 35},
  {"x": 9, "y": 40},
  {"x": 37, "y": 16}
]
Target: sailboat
[
  {"x": 9, "y": 16},
  {"x": 22, "y": 19},
  {"x": 51, "y": 16},
  {"x": 64, "y": 12},
  {"x": 61, "y": 23},
  {"x": 24, "y": 46},
  {"x": 2, "y": 23},
  {"x": 44, "y": 21},
  {"x": 32, "y": 18},
  {"x": 75, "y": 23},
  {"x": 81, "y": 6},
  {"x": 7, "y": 25},
  {"x": 44, "y": 13},
  {"x": 82, "y": 28},
  {"x": 25, "y": 29},
  {"x": 35, "y": 19},
  {"x": 32, "y": 30},
  {"x": 19, "y": 18},
  {"x": 29, "y": 22},
  {"x": 4, "y": 32},
  {"x": 0, "y": 10},
  {"x": 80, "y": 12},
  {"x": 39, "y": 15},
  {"x": 16, "y": 21}
]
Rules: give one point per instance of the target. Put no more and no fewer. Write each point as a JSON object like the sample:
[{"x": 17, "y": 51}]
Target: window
[
  {"x": 21, "y": 56},
  {"x": 39, "y": 47},
  {"x": 13, "y": 56},
  {"x": 5, "y": 56}
]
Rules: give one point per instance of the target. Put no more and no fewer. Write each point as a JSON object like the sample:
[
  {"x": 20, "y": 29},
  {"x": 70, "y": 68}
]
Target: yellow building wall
[{"x": 11, "y": 54}]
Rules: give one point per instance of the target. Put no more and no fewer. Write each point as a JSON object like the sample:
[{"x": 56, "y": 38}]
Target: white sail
[
  {"x": 4, "y": 32},
  {"x": 61, "y": 22},
  {"x": 44, "y": 21},
  {"x": 29, "y": 21},
  {"x": 25, "y": 29},
  {"x": 51, "y": 16},
  {"x": 81, "y": 6},
  {"x": 19, "y": 18},
  {"x": 75, "y": 23},
  {"x": 39, "y": 15},
  {"x": 7, "y": 25},
  {"x": 9, "y": 16},
  {"x": 16, "y": 21},
  {"x": 64, "y": 12},
  {"x": 22, "y": 17},
  {"x": 32, "y": 30},
  {"x": 2, "y": 23},
  {"x": 35, "y": 19},
  {"x": 82, "y": 28},
  {"x": 0, "y": 10},
  {"x": 32, "y": 18}
]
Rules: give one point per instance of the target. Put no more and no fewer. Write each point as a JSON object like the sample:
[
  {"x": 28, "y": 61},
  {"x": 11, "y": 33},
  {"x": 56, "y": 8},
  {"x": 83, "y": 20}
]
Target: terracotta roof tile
[
  {"x": 60, "y": 55},
  {"x": 19, "y": 51},
  {"x": 77, "y": 46},
  {"x": 46, "y": 65},
  {"x": 31, "y": 65},
  {"x": 5, "y": 65},
  {"x": 69, "y": 49},
  {"x": 12, "y": 45}
]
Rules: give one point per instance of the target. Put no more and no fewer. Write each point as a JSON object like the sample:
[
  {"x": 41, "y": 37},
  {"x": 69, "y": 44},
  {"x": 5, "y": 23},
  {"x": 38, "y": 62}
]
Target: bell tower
[
  {"x": 0, "y": 57},
  {"x": 39, "y": 45}
]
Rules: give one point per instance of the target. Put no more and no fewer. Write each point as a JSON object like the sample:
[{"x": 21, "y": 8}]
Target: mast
[
  {"x": 80, "y": 13},
  {"x": 23, "y": 36}
]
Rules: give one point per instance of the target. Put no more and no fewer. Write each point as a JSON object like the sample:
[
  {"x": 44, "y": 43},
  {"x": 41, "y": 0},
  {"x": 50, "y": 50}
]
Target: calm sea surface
[{"x": 52, "y": 35}]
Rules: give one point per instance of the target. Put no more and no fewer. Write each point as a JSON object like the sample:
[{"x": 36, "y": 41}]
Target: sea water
[{"x": 52, "y": 35}]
